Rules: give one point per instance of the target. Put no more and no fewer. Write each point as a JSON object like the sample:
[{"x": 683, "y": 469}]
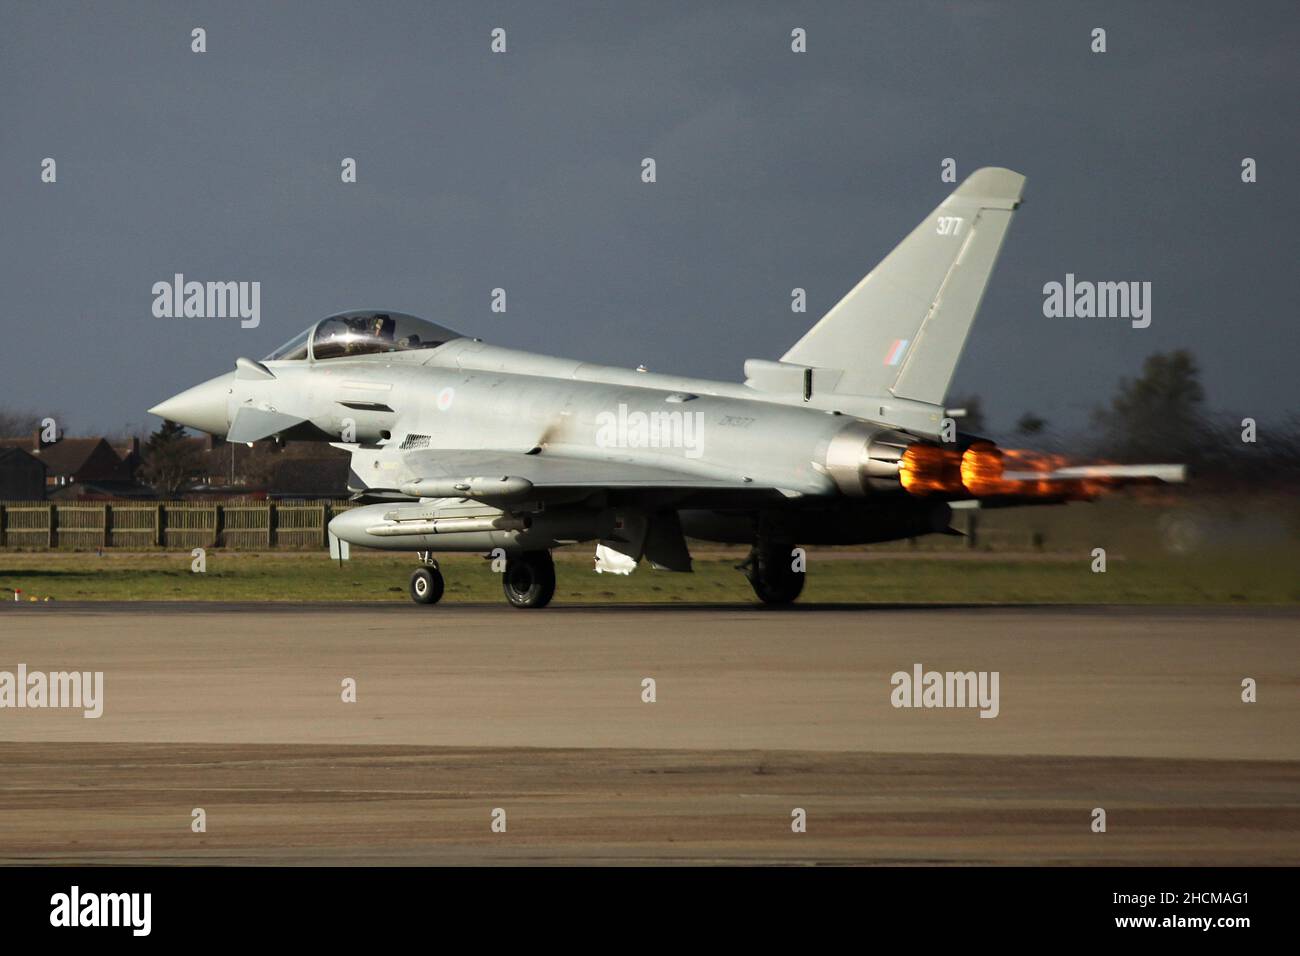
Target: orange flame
[
  {"x": 984, "y": 467},
  {"x": 980, "y": 472},
  {"x": 928, "y": 469}
]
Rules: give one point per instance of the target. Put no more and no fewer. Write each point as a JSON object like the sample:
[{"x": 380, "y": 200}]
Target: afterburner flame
[
  {"x": 928, "y": 469},
  {"x": 1022, "y": 460},
  {"x": 981, "y": 469},
  {"x": 985, "y": 471}
]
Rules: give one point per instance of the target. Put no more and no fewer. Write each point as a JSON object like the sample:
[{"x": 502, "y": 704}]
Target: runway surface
[{"x": 462, "y": 710}]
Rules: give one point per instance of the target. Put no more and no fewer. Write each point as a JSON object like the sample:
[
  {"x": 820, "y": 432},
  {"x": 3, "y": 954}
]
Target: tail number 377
[{"x": 949, "y": 225}]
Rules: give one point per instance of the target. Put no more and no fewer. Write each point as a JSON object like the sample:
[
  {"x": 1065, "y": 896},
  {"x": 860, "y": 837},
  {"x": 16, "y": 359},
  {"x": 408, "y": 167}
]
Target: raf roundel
[{"x": 445, "y": 398}]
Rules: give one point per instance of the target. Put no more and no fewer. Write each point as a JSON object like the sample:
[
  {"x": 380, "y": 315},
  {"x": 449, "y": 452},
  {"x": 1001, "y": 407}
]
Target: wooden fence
[
  {"x": 140, "y": 526},
  {"x": 302, "y": 526}
]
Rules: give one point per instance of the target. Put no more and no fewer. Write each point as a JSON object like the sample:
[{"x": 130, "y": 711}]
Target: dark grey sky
[{"x": 522, "y": 170}]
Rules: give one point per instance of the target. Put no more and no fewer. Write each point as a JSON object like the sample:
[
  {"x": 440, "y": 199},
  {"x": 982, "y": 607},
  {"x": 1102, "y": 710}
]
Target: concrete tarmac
[{"x": 461, "y": 710}]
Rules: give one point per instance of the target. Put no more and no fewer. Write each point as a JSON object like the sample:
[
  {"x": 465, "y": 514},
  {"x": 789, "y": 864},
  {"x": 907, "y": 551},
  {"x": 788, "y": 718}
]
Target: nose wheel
[
  {"x": 426, "y": 585},
  {"x": 529, "y": 579}
]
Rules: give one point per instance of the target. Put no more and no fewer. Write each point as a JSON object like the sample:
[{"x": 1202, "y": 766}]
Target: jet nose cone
[{"x": 203, "y": 407}]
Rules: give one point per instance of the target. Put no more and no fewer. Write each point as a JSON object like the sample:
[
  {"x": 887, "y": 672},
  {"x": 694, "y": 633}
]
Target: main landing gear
[
  {"x": 528, "y": 580},
  {"x": 771, "y": 572}
]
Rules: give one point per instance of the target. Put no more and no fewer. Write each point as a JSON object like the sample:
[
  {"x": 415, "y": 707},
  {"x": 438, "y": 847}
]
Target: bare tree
[{"x": 19, "y": 422}]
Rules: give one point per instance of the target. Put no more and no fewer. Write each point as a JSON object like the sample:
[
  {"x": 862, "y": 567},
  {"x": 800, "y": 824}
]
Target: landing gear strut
[
  {"x": 529, "y": 579},
  {"x": 426, "y": 583},
  {"x": 770, "y": 569}
]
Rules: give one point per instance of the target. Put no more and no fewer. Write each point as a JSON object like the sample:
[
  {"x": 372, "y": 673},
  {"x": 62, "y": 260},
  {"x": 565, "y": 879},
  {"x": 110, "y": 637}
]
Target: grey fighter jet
[{"x": 458, "y": 445}]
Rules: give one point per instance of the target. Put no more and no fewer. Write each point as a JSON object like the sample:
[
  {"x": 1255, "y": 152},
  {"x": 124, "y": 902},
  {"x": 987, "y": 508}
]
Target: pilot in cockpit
[{"x": 382, "y": 328}]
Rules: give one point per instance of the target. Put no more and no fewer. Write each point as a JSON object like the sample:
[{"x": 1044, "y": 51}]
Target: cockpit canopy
[{"x": 350, "y": 334}]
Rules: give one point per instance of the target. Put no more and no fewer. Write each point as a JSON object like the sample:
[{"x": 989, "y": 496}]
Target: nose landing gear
[{"x": 427, "y": 584}]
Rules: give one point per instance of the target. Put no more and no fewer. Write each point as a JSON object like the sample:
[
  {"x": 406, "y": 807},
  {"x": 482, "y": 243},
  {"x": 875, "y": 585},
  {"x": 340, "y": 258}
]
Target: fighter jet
[{"x": 459, "y": 445}]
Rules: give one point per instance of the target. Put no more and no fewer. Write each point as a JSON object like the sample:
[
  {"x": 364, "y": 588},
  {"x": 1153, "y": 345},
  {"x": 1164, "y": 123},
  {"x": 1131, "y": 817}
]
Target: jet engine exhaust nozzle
[{"x": 863, "y": 459}]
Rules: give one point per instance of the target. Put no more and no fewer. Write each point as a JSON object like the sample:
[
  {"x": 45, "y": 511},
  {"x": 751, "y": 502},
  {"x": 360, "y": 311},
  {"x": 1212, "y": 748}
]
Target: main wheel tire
[
  {"x": 529, "y": 579},
  {"x": 772, "y": 578},
  {"x": 426, "y": 586}
]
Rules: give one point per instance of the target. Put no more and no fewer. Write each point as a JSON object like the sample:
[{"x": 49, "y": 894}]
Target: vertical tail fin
[{"x": 901, "y": 330}]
